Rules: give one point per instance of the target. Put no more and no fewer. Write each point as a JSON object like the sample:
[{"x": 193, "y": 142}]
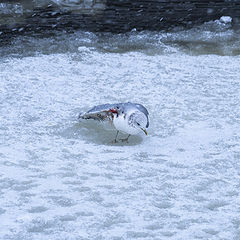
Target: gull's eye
[{"x": 138, "y": 124}]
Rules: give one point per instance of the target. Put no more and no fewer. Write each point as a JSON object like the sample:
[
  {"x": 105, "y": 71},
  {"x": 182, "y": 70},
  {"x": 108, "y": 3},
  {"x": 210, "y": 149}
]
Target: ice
[
  {"x": 60, "y": 179},
  {"x": 226, "y": 19}
]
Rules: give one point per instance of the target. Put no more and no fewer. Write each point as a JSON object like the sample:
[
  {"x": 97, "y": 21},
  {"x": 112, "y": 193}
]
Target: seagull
[{"x": 130, "y": 118}]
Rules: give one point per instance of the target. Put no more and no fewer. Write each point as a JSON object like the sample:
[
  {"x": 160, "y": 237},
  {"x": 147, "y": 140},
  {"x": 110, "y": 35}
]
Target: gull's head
[
  {"x": 139, "y": 121},
  {"x": 129, "y": 120}
]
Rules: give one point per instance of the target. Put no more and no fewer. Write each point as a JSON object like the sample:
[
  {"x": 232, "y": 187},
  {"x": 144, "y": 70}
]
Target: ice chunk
[{"x": 226, "y": 19}]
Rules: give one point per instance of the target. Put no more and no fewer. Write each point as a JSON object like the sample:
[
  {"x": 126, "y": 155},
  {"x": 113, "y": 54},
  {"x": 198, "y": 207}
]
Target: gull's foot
[
  {"x": 115, "y": 140},
  {"x": 125, "y": 139}
]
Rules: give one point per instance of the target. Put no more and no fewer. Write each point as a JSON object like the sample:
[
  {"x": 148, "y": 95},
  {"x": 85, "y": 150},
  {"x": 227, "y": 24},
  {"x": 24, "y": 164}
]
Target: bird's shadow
[{"x": 92, "y": 132}]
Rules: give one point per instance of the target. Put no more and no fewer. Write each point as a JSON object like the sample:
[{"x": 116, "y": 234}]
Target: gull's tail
[{"x": 80, "y": 115}]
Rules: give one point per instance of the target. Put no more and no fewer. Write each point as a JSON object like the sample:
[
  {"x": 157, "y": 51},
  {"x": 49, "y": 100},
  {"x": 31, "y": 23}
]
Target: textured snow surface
[{"x": 64, "y": 180}]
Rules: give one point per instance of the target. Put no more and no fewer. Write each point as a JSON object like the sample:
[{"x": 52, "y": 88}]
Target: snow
[{"x": 60, "y": 179}]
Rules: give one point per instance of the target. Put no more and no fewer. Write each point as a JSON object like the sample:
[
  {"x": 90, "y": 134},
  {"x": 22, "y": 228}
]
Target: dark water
[{"x": 214, "y": 37}]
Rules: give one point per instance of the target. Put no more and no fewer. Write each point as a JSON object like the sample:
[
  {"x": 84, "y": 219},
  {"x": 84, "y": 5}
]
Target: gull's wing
[{"x": 100, "y": 112}]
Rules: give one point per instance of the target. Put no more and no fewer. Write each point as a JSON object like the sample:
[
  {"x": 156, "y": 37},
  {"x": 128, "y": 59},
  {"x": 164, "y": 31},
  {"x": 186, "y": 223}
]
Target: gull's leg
[
  {"x": 126, "y": 139},
  {"x": 115, "y": 140}
]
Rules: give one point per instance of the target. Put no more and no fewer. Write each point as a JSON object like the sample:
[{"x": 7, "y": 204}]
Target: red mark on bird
[{"x": 113, "y": 110}]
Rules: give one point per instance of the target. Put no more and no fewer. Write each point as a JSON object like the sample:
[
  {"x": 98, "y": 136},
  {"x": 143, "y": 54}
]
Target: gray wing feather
[
  {"x": 100, "y": 108},
  {"x": 98, "y": 112}
]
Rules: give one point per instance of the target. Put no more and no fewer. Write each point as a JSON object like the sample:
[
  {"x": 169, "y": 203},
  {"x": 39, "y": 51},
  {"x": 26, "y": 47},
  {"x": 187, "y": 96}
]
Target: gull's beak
[{"x": 145, "y": 131}]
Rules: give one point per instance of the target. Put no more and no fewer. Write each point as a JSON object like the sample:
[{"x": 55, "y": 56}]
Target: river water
[{"x": 65, "y": 180}]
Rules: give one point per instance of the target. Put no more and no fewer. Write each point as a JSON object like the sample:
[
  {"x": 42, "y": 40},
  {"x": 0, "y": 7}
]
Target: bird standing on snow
[{"x": 130, "y": 118}]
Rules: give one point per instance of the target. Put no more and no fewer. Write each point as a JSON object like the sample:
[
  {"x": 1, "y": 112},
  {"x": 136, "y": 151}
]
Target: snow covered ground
[{"x": 64, "y": 180}]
